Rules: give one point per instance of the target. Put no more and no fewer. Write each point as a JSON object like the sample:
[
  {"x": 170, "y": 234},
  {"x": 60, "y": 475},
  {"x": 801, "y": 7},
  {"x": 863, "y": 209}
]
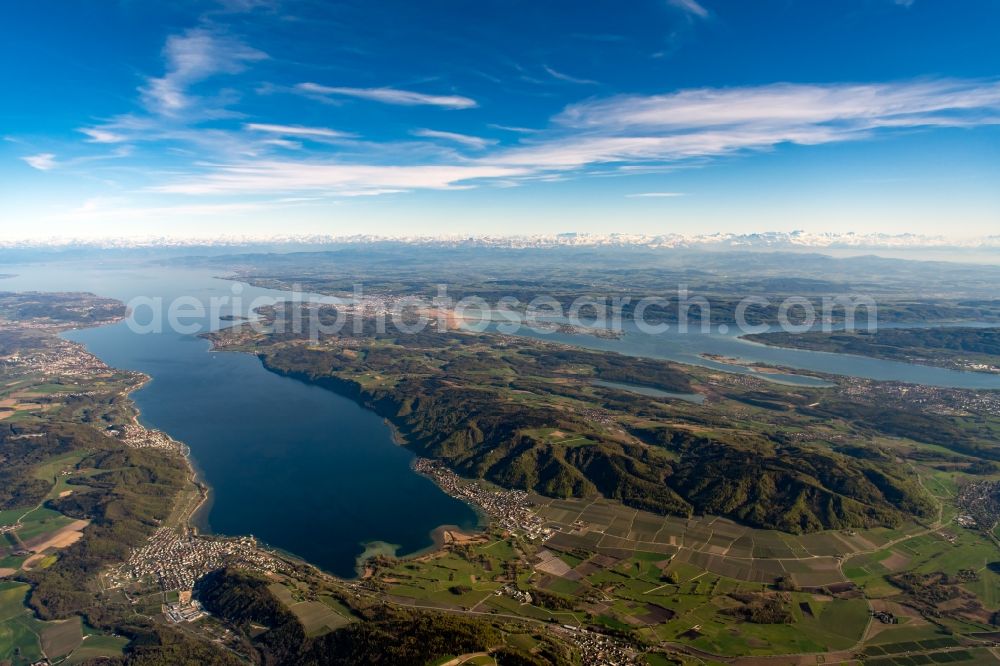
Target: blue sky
[{"x": 252, "y": 117}]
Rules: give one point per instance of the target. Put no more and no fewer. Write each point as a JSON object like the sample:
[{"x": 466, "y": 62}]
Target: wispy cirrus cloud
[
  {"x": 566, "y": 77},
  {"x": 465, "y": 139},
  {"x": 389, "y": 96},
  {"x": 514, "y": 128},
  {"x": 41, "y": 161},
  {"x": 332, "y": 177},
  {"x": 655, "y": 195},
  {"x": 49, "y": 161},
  {"x": 192, "y": 57},
  {"x": 177, "y": 136},
  {"x": 692, "y": 7},
  {"x": 99, "y": 135},
  {"x": 709, "y": 122},
  {"x": 175, "y": 111},
  {"x": 787, "y": 104},
  {"x": 298, "y": 131}
]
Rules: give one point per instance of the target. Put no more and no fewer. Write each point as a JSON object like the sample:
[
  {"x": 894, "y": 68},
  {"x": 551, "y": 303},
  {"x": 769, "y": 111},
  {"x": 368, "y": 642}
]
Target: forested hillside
[{"x": 525, "y": 414}]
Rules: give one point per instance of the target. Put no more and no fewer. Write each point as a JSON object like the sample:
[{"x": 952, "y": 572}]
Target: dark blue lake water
[{"x": 298, "y": 466}]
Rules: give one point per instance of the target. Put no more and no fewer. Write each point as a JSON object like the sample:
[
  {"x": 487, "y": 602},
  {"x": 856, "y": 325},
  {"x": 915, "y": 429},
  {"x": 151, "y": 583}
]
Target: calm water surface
[
  {"x": 298, "y": 466},
  {"x": 689, "y": 348},
  {"x": 695, "y": 398}
]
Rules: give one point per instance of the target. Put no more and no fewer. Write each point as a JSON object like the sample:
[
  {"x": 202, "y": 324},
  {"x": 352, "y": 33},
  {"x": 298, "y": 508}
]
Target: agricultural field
[
  {"x": 25, "y": 639},
  {"x": 709, "y": 583},
  {"x": 953, "y": 551},
  {"x": 12, "y": 600},
  {"x": 658, "y": 597},
  {"x": 36, "y": 534},
  {"x": 61, "y": 638},
  {"x": 19, "y": 641},
  {"x": 712, "y": 544},
  {"x": 668, "y": 600},
  {"x": 317, "y": 616},
  {"x": 94, "y": 646}
]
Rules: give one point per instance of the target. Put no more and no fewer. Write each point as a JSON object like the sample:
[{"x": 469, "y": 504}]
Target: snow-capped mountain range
[{"x": 775, "y": 240}]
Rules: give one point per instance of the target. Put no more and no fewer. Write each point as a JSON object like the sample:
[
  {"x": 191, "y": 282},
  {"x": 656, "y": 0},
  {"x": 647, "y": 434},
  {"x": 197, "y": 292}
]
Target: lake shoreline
[
  {"x": 439, "y": 534},
  {"x": 192, "y": 519},
  {"x": 195, "y": 476}
]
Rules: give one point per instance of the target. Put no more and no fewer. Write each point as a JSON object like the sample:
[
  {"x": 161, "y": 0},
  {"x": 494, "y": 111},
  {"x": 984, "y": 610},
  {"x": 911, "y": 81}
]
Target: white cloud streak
[
  {"x": 465, "y": 139},
  {"x": 390, "y": 96},
  {"x": 692, "y": 7},
  {"x": 655, "y": 195},
  {"x": 518, "y": 130},
  {"x": 41, "y": 161},
  {"x": 98, "y": 135},
  {"x": 333, "y": 177},
  {"x": 795, "y": 105},
  {"x": 298, "y": 131},
  {"x": 566, "y": 77},
  {"x": 48, "y": 161}
]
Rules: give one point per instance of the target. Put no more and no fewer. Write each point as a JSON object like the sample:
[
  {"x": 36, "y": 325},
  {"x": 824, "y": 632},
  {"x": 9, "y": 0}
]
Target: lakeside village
[
  {"x": 511, "y": 509},
  {"x": 138, "y": 437},
  {"x": 62, "y": 359},
  {"x": 174, "y": 560},
  {"x": 932, "y": 399}
]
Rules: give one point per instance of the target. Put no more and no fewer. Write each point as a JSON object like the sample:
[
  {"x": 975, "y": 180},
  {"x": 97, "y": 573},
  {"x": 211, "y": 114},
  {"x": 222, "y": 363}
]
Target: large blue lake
[
  {"x": 298, "y": 466},
  {"x": 309, "y": 471}
]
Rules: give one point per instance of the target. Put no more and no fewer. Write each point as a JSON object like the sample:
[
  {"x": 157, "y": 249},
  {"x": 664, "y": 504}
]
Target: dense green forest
[
  {"x": 157, "y": 645},
  {"x": 383, "y": 635},
  {"x": 22, "y": 448}
]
